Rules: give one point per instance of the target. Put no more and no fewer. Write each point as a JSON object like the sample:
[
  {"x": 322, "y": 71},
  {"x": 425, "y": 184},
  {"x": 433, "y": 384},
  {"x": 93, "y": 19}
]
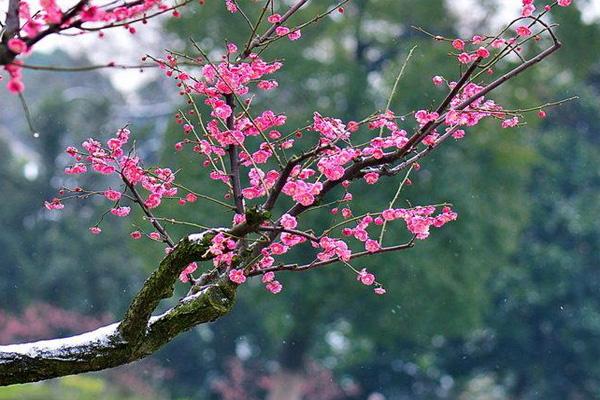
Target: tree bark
[
  {"x": 106, "y": 347},
  {"x": 138, "y": 335}
]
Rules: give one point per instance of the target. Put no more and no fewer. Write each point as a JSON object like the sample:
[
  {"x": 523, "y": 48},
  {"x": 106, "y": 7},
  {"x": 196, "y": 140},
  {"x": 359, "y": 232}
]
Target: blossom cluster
[
  {"x": 248, "y": 152},
  {"x": 50, "y": 17},
  {"x": 110, "y": 159}
]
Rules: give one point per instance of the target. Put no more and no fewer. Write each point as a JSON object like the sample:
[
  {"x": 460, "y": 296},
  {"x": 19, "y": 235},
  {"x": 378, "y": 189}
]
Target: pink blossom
[
  {"x": 527, "y": 10},
  {"x": 76, "y": 169},
  {"x": 153, "y": 200},
  {"x": 231, "y": 48},
  {"x": 237, "y": 276},
  {"x": 189, "y": 269},
  {"x": 231, "y": 6},
  {"x": 564, "y": 3},
  {"x": 431, "y": 139},
  {"x": 112, "y": 195},
  {"x": 497, "y": 43},
  {"x": 458, "y": 44},
  {"x": 239, "y": 219},
  {"x": 419, "y": 226},
  {"x": 266, "y": 262},
  {"x": 223, "y": 111},
  {"x": 372, "y": 246},
  {"x": 483, "y": 52},
  {"x": 523, "y": 30},
  {"x": 274, "y": 287},
  {"x": 282, "y": 30},
  {"x": 437, "y": 80},
  {"x": 371, "y": 177},
  {"x": 330, "y": 128},
  {"x": 511, "y": 122},
  {"x": 95, "y": 230},
  {"x": 154, "y": 235},
  {"x": 267, "y": 85},
  {"x": 268, "y": 277},
  {"x": 289, "y": 239},
  {"x": 346, "y": 213},
  {"x": 17, "y": 45},
  {"x": 464, "y": 58},
  {"x": 295, "y": 35},
  {"x": 278, "y": 248},
  {"x": 389, "y": 214},
  {"x": 333, "y": 247},
  {"x": 54, "y": 204},
  {"x": 379, "y": 290},
  {"x": 15, "y": 86},
  {"x": 274, "y": 18},
  {"x": 120, "y": 211},
  {"x": 136, "y": 235},
  {"x": 288, "y": 221},
  {"x": 191, "y": 197},
  {"x": 365, "y": 277},
  {"x": 458, "y": 134}
]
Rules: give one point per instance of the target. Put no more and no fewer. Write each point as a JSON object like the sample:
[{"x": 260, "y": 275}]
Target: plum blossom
[
  {"x": 112, "y": 195},
  {"x": 54, "y": 204},
  {"x": 295, "y": 35},
  {"x": 510, "y": 123},
  {"x": 237, "y": 276},
  {"x": 189, "y": 269},
  {"x": 365, "y": 277},
  {"x": 120, "y": 211},
  {"x": 17, "y": 45},
  {"x": 154, "y": 235},
  {"x": 282, "y": 30},
  {"x": 274, "y": 287},
  {"x": 523, "y": 30},
  {"x": 458, "y": 44},
  {"x": 379, "y": 290},
  {"x": 372, "y": 246},
  {"x": 268, "y": 277},
  {"x": 274, "y": 18},
  {"x": 288, "y": 221},
  {"x": 371, "y": 178}
]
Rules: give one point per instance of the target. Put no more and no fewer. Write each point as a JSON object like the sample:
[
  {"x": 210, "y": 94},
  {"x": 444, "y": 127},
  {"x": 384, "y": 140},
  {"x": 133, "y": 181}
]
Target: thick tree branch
[
  {"x": 161, "y": 284},
  {"x": 106, "y": 347}
]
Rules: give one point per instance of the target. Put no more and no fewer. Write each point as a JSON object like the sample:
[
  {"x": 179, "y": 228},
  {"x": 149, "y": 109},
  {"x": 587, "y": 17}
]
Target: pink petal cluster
[
  {"x": 365, "y": 277},
  {"x": 184, "y": 276},
  {"x": 237, "y": 276},
  {"x": 271, "y": 284}
]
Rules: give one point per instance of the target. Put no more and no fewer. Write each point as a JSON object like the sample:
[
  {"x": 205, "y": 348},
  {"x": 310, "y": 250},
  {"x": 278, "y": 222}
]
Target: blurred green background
[{"x": 502, "y": 304}]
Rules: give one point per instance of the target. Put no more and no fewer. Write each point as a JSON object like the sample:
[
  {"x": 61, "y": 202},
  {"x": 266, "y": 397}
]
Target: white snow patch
[
  {"x": 197, "y": 237},
  {"x": 101, "y": 337}
]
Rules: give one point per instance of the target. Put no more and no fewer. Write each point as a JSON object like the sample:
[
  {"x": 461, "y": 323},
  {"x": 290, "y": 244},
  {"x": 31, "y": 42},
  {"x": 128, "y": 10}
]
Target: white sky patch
[
  {"x": 471, "y": 12},
  {"x": 118, "y": 45},
  {"x": 122, "y": 47}
]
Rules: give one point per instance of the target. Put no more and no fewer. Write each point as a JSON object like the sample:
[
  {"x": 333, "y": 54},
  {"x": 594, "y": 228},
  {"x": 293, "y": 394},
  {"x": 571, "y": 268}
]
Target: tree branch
[
  {"x": 160, "y": 284},
  {"x": 106, "y": 347},
  {"x": 234, "y": 160}
]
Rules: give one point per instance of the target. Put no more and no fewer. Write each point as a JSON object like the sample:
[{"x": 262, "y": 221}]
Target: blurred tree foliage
[{"x": 54, "y": 258}]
